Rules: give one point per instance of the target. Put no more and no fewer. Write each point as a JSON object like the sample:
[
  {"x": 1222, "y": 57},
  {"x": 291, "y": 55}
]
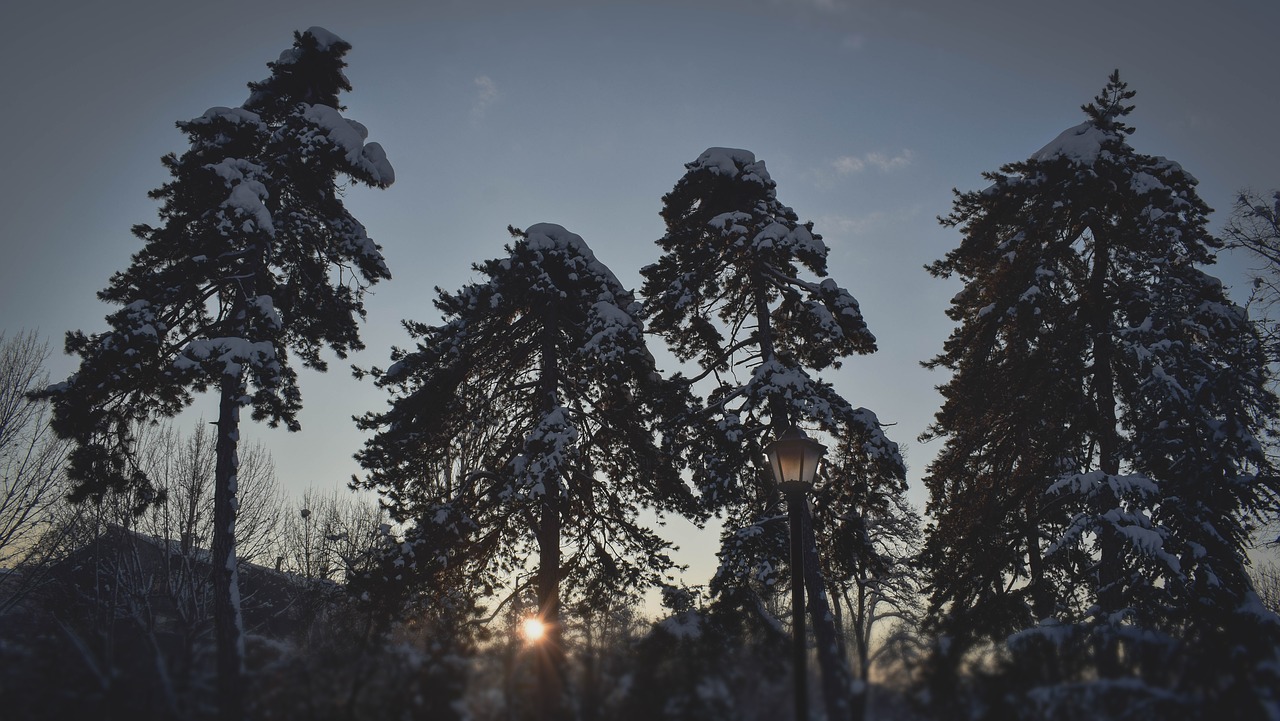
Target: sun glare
[{"x": 533, "y": 630}]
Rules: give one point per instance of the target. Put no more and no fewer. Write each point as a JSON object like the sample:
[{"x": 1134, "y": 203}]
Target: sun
[{"x": 532, "y": 629}]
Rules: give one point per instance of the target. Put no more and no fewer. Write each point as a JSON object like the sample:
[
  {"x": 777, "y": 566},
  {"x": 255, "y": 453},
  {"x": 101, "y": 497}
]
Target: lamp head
[{"x": 793, "y": 458}]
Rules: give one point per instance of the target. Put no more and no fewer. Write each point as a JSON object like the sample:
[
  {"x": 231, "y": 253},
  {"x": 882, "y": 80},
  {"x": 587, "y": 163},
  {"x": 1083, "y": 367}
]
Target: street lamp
[{"x": 793, "y": 458}]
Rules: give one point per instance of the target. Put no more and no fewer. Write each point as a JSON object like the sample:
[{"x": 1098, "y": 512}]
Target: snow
[
  {"x": 1149, "y": 542},
  {"x": 235, "y": 116},
  {"x": 267, "y": 308},
  {"x": 1144, "y": 183},
  {"x": 805, "y": 242},
  {"x": 731, "y": 224},
  {"x": 770, "y": 236},
  {"x": 615, "y": 332},
  {"x": 232, "y": 353},
  {"x": 247, "y": 194},
  {"x": 878, "y": 445},
  {"x": 733, "y": 163},
  {"x": 1081, "y": 145},
  {"x": 325, "y": 40},
  {"x": 549, "y": 237},
  {"x": 685, "y": 626},
  {"x": 1164, "y": 165},
  {"x": 1087, "y": 484},
  {"x": 348, "y": 136},
  {"x": 288, "y": 56},
  {"x": 547, "y": 453}
]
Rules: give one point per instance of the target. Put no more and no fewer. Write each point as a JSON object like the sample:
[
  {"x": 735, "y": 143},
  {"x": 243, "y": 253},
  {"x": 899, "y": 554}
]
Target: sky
[{"x": 867, "y": 113}]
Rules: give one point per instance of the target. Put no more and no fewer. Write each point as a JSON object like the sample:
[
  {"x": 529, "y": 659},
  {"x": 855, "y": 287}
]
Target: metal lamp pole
[{"x": 793, "y": 458}]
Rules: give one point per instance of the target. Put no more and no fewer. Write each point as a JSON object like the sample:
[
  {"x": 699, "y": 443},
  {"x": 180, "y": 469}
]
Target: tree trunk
[
  {"x": 551, "y": 660},
  {"x": 550, "y": 648},
  {"x": 1109, "y": 591},
  {"x": 862, "y": 623},
  {"x": 228, "y": 628}
]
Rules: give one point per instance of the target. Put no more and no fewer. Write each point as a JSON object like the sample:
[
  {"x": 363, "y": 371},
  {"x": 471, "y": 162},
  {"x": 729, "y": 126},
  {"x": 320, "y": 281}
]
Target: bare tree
[
  {"x": 131, "y": 596},
  {"x": 1254, "y": 227},
  {"x": 182, "y": 469},
  {"x": 1266, "y": 581},
  {"x": 328, "y": 535},
  {"x": 31, "y": 458}
]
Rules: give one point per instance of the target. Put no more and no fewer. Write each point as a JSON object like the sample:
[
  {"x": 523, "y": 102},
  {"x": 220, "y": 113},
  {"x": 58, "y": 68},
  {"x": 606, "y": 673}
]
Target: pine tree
[
  {"x": 727, "y": 292},
  {"x": 1102, "y": 467},
  {"x": 241, "y": 270},
  {"x": 523, "y": 426}
]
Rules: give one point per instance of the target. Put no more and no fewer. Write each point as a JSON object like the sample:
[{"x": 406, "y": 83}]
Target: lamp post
[{"x": 793, "y": 458}]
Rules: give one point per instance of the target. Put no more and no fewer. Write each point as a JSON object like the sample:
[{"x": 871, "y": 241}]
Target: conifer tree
[
  {"x": 255, "y": 256},
  {"x": 728, "y": 293},
  {"x": 521, "y": 428},
  {"x": 1102, "y": 468}
]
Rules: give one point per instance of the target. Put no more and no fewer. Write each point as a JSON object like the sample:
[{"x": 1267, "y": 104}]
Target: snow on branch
[
  {"x": 367, "y": 161},
  {"x": 246, "y": 199},
  {"x": 1080, "y": 145},
  {"x": 232, "y": 353},
  {"x": 732, "y": 163},
  {"x": 548, "y": 452}
]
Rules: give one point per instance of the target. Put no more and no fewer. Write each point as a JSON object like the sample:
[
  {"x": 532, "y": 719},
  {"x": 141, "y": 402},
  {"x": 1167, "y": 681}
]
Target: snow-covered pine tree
[
  {"x": 728, "y": 293},
  {"x": 1102, "y": 466},
  {"x": 240, "y": 271},
  {"x": 522, "y": 428}
]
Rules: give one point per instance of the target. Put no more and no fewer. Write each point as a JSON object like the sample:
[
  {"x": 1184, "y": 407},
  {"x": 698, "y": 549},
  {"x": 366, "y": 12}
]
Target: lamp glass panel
[{"x": 811, "y": 453}]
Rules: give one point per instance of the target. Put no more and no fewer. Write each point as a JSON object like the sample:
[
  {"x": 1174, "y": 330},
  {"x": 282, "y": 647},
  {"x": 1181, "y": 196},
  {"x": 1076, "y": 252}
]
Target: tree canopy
[{"x": 1102, "y": 466}]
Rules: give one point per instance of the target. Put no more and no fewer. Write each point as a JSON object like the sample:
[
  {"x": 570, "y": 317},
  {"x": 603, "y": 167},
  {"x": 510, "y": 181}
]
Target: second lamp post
[{"x": 793, "y": 458}]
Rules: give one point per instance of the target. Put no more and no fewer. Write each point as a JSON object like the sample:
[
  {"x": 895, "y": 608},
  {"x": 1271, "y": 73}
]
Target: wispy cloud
[
  {"x": 848, "y": 165},
  {"x": 851, "y": 164},
  {"x": 835, "y": 228},
  {"x": 486, "y": 96},
  {"x": 843, "y": 225},
  {"x": 853, "y": 41}
]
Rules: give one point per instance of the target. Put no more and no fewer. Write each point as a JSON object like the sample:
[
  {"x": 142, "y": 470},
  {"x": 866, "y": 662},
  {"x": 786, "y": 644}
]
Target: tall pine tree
[
  {"x": 1102, "y": 467},
  {"x": 728, "y": 293},
  {"x": 255, "y": 256},
  {"x": 520, "y": 432}
]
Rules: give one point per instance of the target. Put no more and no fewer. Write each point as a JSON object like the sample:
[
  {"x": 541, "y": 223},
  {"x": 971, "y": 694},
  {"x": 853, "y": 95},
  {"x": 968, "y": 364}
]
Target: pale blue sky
[{"x": 582, "y": 114}]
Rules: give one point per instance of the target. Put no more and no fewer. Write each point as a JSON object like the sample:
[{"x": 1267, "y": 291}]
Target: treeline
[{"x": 1104, "y": 462}]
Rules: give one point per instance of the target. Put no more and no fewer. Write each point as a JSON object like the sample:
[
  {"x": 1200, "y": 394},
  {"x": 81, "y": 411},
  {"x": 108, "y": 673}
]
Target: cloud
[
  {"x": 486, "y": 96},
  {"x": 843, "y": 225},
  {"x": 876, "y": 222},
  {"x": 850, "y": 164},
  {"x": 890, "y": 163},
  {"x": 853, "y": 41}
]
